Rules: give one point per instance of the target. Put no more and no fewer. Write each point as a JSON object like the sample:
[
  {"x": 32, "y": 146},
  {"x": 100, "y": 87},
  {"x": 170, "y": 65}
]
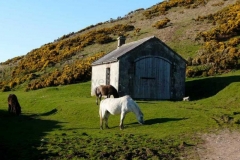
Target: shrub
[
  {"x": 102, "y": 39},
  {"x": 6, "y": 88},
  {"x": 64, "y": 48},
  {"x": 77, "y": 71},
  {"x": 211, "y": 72},
  {"x": 189, "y": 73},
  {"x": 161, "y": 23},
  {"x": 234, "y": 41},
  {"x": 163, "y": 7},
  {"x": 13, "y": 84}
]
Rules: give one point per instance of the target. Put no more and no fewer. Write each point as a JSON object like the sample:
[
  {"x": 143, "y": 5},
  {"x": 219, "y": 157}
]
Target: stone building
[{"x": 143, "y": 69}]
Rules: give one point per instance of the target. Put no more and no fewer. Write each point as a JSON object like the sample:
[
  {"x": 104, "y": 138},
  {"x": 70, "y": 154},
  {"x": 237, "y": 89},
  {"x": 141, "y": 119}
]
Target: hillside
[{"x": 203, "y": 32}]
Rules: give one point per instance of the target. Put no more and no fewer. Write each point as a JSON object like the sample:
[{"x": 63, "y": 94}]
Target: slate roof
[
  {"x": 125, "y": 48},
  {"x": 114, "y": 55}
]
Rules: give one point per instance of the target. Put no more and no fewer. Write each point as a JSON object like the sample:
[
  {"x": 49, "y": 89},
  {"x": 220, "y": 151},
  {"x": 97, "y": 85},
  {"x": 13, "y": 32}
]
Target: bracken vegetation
[{"x": 65, "y": 62}]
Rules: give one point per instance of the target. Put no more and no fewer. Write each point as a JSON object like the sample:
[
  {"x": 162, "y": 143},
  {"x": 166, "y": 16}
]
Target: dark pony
[
  {"x": 13, "y": 104},
  {"x": 105, "y": 90}
]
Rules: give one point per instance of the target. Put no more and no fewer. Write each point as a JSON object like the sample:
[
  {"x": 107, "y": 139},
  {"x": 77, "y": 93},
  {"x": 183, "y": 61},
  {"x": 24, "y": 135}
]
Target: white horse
[{"x": 122, "y": 106}]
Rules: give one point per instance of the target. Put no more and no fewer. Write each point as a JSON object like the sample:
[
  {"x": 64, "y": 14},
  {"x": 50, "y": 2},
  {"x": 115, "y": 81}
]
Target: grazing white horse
[{"x": 115, "y": 106}]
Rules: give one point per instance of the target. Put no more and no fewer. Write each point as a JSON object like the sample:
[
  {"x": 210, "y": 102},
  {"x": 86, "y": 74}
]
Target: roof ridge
[
  {"x": 118, "y": 52},
  {"x": 114, "y": 55}
]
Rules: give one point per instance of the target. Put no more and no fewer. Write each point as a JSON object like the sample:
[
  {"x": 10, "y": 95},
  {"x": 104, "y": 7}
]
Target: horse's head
[{"x": 140, "y": 119}]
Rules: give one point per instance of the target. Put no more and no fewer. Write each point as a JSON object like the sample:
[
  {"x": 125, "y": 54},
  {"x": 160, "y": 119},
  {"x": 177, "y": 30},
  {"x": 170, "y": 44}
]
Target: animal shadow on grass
[
  {"x": 49, "y": 113},
  {"x": 158, "y": 120},
  {"x": 21, "y": 135},
  {"x": 162, "y": 120},
  {"x": 148, "y": 102},
  {"x": 207, "y": 87}
]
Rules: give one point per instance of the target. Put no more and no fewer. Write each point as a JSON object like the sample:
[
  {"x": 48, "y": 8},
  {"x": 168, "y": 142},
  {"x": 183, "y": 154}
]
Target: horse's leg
[
  {"x": 101, "y": 119},
  {"x": 121, "y": 120},
  {"x": 9, "y": 108},
  {"x": 14, "y": 109},
  {"x": 101, "y": 123},
  {"x": 99, "y": 97},
  {"x": 18, "y": 109},
  {"x": 106, "y": 119}
]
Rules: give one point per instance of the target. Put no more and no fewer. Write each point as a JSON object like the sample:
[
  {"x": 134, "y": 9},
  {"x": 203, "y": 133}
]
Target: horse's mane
[{"x": 115, "y": 93}]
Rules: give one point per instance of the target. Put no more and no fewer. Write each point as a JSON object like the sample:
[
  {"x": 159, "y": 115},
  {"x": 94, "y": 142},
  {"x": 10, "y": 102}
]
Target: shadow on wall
[
  {"x": 207, "y": 87},
  {"x": 20, "y": 135}
]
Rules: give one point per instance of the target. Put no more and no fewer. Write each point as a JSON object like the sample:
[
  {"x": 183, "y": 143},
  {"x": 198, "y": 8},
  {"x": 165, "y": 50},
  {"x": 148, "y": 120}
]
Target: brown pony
[
  {"x": 13, "y": 105},
  {"x": 105, "y": 90}
]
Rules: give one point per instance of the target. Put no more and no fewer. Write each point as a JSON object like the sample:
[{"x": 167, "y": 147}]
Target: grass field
[{"x": 62, "y": 123}]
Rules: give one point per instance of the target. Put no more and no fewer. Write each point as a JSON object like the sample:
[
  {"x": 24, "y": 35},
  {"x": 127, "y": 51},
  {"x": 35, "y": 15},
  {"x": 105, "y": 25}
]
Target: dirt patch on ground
[{"x": 223, "y": 145}]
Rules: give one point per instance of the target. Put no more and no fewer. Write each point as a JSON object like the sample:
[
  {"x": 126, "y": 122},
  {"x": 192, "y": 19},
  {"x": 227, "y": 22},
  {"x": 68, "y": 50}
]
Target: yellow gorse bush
[
  {"x": 227, "y": 23},
  {"x": 163, "y": 7},
  {"x": 220, "y": 51},
  {"x": 161, "y": 23},
  {"x": 78, "y": 71},
  {"x": 51, "y": 54}
]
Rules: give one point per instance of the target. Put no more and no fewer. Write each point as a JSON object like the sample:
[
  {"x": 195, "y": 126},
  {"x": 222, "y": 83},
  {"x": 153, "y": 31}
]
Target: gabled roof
[{"x": 120, "y": 51}]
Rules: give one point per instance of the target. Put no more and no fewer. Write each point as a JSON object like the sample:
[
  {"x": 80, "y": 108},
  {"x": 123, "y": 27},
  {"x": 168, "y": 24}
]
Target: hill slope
[{"x": 203, "y": 32}]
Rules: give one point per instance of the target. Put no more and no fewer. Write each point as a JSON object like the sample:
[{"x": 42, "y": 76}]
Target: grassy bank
[{"x": 62, "y": 123}]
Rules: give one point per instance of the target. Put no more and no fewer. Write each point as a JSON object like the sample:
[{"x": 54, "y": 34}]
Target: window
[{"x": 107, "y": 76}]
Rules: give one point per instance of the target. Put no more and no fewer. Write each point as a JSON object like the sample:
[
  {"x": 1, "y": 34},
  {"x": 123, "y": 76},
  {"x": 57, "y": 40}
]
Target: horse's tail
[
  {"x": 97, "y": 91},
  {"x": 94, "y": 92}
]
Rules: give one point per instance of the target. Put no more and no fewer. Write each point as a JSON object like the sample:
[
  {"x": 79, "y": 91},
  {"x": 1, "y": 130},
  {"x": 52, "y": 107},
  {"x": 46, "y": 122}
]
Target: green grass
[
  {"x": 185, "y": 48},
  {"x": 62, "y": 123}
]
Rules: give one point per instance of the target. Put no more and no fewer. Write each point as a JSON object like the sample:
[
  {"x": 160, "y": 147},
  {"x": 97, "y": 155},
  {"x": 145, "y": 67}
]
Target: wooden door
[{"x": 152, "y": 78}]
